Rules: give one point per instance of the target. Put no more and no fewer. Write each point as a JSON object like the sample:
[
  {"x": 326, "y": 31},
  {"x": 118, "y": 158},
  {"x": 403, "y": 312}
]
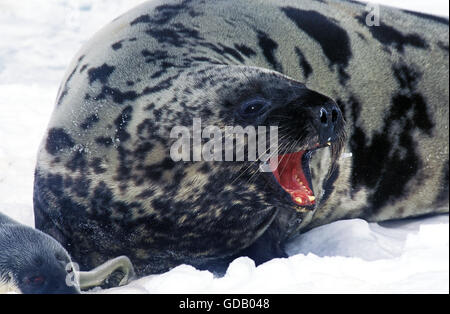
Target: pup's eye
[
  {"x": 253, "y": 107},
  {"x": 35, "y": 280}
]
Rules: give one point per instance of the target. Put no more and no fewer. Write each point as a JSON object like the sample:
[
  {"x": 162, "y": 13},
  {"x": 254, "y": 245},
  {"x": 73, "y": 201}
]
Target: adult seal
[{"x": 362, "y": 116}]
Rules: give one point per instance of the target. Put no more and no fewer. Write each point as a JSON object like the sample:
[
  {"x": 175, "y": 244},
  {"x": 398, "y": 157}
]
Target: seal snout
[
  {"x": 326, "y": 119},
  {"x": 309, "y": 123}
]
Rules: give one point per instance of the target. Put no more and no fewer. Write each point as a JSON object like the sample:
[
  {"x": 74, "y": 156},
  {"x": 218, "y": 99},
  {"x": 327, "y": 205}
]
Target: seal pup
[{"x": 31, "y": 262}]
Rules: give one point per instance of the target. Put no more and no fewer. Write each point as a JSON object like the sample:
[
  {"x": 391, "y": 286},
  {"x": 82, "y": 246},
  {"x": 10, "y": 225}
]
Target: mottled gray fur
[{"x": 106, "y": 186}]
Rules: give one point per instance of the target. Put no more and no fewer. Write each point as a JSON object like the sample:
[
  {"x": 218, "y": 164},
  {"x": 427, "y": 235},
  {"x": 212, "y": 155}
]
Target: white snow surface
[{"x": 38, "y": 38}]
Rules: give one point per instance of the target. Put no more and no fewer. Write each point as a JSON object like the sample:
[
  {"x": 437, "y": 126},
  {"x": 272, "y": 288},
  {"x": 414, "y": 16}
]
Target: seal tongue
[{"x": 292, "y": 179}]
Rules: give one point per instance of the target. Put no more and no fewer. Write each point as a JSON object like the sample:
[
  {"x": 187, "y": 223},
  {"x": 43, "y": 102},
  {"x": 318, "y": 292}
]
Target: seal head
[
  {"x": 31, "y": 262},
  {"x": 134, "y": 199}
]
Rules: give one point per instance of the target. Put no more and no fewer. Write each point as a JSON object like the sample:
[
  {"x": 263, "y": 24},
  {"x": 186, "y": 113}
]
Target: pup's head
[{"x": 32, "y": 262}]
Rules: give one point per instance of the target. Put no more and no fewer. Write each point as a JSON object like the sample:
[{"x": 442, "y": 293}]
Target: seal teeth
[
  {"x": 299, "y": 199},
  {"x": 311, "y": 198}
]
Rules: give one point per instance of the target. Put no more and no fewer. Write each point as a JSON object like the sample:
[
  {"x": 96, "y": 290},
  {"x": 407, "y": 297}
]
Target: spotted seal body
[{"x": 362, "y": 113}]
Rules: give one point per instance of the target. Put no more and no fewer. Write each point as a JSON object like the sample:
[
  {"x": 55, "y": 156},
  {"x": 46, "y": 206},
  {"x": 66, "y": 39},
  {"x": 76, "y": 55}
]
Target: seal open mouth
[{"x": 293, "y": 175}]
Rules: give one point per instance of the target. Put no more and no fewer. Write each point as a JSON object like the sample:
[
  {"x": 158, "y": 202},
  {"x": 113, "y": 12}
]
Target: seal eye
[
  {"x": 253, "y": 108},
  {"x": 34, "y": 280}
]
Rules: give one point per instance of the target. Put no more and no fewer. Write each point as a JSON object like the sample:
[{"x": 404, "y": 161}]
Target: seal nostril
[
  {"x": 323, "y": 116},
  {"x": 334, "y": 115}
]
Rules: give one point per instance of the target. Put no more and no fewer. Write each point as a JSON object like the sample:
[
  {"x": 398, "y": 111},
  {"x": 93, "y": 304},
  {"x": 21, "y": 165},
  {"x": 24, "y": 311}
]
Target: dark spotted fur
[{"x": 106, "y": 186}]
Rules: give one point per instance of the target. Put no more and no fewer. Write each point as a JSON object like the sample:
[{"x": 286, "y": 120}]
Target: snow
[
  {"x": 350, "y": 256},
  {"x": 38, "y": 40}
]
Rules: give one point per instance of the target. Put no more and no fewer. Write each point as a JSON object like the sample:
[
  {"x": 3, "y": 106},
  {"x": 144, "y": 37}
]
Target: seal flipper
[
  {"x": 115, "y": 272},
  {"x": 266, "y": 247}
]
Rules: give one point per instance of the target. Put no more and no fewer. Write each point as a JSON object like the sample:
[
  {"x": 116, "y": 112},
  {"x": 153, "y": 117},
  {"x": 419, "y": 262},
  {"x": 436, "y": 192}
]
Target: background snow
[{"x": 38, "y": 40}]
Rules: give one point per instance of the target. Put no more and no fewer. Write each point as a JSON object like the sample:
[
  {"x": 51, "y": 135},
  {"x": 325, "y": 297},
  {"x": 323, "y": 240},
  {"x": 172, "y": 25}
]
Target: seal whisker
[{"x": 252, "y": 164}]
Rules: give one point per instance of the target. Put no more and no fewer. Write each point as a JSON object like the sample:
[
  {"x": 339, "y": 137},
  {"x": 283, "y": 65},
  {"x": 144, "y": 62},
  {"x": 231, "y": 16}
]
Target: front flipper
[
  {"x": 115, "y": 272},
  {"x": 265, "y": 248}
]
